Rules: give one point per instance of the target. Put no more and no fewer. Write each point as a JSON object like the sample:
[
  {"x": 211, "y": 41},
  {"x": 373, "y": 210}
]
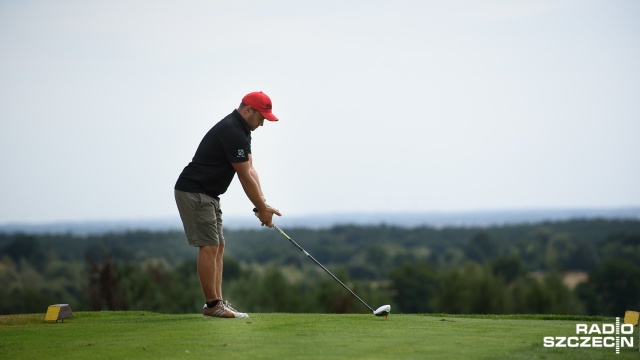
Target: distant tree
[
  {"x": 612, "y": 288},
  {"x": 471, "y": 289},
  {"x": 332, "y": 297},
  {"x": 102, "y": 286},
  {"x": 268, "y": 290},
  {"x": 563, "y": 300},
  {"x": 416, "y": 285},
  {"x": 232, "y": 269},
  {"x": 547, "y": 295},
  {"x": 622, "y": 246},
  {"x": 481, "y": 248},
  {"x": 377, "y": 255},
  {"x": 581, "y": 257},
  {"x": 509, "y": 268},
  {"x": 363, "y": 272},
  {"x": 26, "y": 247}
]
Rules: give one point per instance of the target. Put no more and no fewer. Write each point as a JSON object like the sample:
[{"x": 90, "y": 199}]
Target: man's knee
[{"x": 212, "y": 249}]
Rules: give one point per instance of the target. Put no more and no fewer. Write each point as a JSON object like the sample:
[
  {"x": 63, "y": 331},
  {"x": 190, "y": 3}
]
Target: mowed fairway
[{"x": 142, "y": 335}]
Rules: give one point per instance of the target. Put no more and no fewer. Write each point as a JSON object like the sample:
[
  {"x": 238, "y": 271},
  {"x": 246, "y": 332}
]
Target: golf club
[{"x": 383, "y": 310}]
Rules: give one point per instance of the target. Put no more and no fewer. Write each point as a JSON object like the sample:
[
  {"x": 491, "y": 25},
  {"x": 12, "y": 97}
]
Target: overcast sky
[{"x": 385, "y": 106}]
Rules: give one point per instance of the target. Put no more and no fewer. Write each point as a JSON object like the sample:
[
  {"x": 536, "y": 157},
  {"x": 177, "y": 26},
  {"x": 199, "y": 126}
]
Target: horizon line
[{"x": 466, "y": 218}]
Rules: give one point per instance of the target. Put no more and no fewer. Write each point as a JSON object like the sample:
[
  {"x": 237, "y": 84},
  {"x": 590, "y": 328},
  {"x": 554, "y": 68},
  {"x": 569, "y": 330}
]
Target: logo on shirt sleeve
[{"x": 240, "y": 152}]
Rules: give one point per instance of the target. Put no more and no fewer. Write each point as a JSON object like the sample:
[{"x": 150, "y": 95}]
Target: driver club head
[{"x": 383, "y": 310}]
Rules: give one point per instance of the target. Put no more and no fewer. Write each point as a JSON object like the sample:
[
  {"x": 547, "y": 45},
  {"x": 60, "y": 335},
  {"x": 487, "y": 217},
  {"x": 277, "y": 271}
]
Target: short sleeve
[{"x": 236, "y": 147}]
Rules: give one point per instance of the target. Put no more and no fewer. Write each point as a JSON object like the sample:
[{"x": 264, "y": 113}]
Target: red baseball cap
[{"x": 261, "y": 102}]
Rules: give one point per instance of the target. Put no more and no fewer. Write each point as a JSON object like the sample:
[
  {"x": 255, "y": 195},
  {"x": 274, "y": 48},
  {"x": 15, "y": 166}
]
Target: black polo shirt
[{"x": 210, "y": 172}]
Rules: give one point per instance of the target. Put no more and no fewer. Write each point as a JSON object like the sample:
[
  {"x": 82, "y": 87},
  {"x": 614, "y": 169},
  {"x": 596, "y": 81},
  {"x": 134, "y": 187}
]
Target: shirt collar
[{"x": 242, "y": 121}]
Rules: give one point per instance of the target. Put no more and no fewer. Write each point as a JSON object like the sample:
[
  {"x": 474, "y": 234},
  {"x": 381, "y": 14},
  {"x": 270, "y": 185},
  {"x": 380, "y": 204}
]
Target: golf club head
[{"x": 383, "y": 310}]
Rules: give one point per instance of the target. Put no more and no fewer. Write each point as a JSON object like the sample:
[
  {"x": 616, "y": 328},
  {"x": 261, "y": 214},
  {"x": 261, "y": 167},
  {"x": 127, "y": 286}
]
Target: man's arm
[
  {"x": 250, "y": 183},
  {"x": 254, "y": 173}
]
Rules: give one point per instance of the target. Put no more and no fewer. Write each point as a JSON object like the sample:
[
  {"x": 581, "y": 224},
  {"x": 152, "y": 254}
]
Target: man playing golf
[{"x": 224, "y": 151}]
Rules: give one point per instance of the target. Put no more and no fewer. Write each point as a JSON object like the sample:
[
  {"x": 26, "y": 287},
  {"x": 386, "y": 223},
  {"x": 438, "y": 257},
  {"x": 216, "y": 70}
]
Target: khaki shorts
[{"x": 201, "y": 218}]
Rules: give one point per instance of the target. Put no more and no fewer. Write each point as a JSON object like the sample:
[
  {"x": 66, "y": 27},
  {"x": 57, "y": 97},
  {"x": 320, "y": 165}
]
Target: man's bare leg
[
  {"x": 207, "y": 256},
  {"x": 218, "y": 271}
]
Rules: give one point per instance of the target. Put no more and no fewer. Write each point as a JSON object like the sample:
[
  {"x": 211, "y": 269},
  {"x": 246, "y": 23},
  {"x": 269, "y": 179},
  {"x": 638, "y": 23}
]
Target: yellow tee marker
[
  {"x": 631, "y": 317},
  {"x": 58, "y": 312}
]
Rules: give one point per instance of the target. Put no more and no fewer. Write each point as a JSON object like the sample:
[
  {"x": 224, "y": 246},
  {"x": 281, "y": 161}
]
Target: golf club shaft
[{"x": 318, "y": 263}]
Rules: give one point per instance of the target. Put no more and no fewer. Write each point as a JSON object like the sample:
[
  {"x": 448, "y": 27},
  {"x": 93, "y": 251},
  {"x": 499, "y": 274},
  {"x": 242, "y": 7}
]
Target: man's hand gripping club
[{"x": 266, "y": 216}]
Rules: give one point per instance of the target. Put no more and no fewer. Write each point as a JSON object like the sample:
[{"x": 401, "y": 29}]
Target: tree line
[{"x": 522, "y": 268}]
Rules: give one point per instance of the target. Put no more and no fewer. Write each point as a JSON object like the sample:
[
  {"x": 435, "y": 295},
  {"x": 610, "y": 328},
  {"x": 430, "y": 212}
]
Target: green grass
[{"x": 142, "y": 335}]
